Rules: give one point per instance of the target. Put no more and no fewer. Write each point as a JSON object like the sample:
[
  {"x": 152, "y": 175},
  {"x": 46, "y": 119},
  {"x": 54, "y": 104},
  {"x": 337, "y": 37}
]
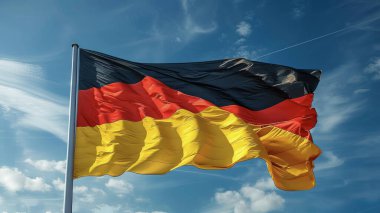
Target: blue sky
[{"x": 339, "y": 37}]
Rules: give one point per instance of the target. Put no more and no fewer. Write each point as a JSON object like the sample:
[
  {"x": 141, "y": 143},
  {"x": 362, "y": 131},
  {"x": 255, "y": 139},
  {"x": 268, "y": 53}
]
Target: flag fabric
[{"x": 151, "y": 118}]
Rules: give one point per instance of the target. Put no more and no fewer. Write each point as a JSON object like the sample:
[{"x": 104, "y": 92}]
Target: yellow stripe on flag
[{"x": 211, "y": 139}]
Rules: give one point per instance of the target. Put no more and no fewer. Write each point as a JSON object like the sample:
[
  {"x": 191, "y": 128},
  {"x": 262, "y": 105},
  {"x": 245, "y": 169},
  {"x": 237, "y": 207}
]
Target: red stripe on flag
[{"x": 150, "y": 97}]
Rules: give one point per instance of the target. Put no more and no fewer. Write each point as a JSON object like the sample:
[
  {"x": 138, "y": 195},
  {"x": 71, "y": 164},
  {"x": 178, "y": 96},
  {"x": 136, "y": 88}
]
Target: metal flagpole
[{"x": 68, "y": 197}]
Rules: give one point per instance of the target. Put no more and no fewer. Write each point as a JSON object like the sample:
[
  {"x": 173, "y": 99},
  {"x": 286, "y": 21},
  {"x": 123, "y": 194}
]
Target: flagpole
[{"x": 68, "y": 196}]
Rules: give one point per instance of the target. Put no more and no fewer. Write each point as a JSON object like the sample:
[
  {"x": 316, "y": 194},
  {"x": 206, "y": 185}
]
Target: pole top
[{"x": 75, "y": 44}]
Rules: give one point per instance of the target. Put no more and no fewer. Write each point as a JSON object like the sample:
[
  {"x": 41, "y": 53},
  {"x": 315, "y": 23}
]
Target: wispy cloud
[
  {"x": 297, "y": 12},
  {"x": 299, "y": 7},
  {"x": 374, "y": 68},
  {"x": 366, "y": 147},
  {"x": 14, "y": 180},
  {"x": 330, "y": 161},
  {"x": 259, "y": 198},
  {"x": 190, "y": 27},
  {"x": 28, "y": 103},
  {"x": 159, "y": 35},
  {"x": 361, "y": 91},
  {"x": 334, "y": 101}
]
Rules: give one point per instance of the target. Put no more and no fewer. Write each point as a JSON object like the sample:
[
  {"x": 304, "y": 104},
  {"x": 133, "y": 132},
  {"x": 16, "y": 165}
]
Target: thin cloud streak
[{"x": 319, "y": 37}]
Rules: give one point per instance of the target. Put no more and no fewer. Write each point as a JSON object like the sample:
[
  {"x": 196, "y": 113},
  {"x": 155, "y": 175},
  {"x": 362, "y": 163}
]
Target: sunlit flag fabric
[{"x": 151, "y": 118}]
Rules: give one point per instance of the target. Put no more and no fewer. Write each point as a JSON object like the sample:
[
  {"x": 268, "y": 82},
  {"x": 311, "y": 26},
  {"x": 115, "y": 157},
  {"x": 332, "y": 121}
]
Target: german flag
[{"x": 151, "y": 118}]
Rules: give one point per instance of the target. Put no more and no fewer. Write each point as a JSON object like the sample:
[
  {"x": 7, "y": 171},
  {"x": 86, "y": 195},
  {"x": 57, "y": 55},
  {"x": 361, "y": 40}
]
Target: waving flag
[{"x": 152, "y": 118}]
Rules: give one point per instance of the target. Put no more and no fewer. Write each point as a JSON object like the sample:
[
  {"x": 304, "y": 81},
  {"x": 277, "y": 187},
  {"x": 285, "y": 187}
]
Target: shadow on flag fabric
[{"x": 151, "y": 118}]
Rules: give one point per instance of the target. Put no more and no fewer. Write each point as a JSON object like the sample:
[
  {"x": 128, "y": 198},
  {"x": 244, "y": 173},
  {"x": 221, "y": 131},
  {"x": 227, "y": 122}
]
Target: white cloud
[
  {"x": 240, "y": 41},
  {"x": 87, "y": 195},
  {"x": 265, "y": 184},
  {"x": 82, "y": 193},
  {"x": 98, "y": 191},
  {"x": 87, "y": 198},
  {"x": 259, "y": 198},
  {"x": 151, "y": 212},
  {"x": 30, "y": 104},
  {"x": 36, "y": 184},
  {"x": 331, "y": 161},
  {"x": 15, "y": 73},
  {"x": 243, "y": 29},
  {"x": 360, "y": 91},
  {"x": 243, "y": 51},
  {"x": 14, "y": 180},
  {"x": 119, "y": 187},
  {"x": 58, "y": 184},
  {"x": 374, "y": 68},
  {"x": 46, "y": 165},
  {"x": 102, "y": 208},
  {"x": 80, "y": 189}
]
